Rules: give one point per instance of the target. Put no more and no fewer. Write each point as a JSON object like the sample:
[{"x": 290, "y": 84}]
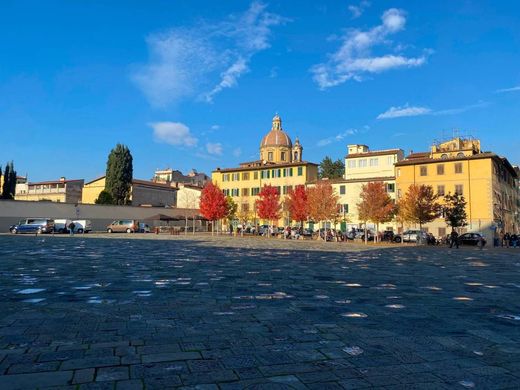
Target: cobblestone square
[{"x": 89, "y": 313}]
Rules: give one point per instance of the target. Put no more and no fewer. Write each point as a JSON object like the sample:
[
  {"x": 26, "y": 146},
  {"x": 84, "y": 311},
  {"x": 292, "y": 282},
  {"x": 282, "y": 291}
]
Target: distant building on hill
[
  {"x": 62, "y": 190},
  {"x": 169, "y": 175}
]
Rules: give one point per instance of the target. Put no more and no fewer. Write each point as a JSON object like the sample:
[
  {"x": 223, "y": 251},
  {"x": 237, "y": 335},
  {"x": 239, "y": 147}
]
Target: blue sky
[{"x": 194, "y": 84}]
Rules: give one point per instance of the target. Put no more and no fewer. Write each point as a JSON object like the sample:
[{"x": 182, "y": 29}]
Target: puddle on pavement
[
  {"x": 395, "y": 306},
  {"x": 462, "y": 299},
  {"x": 354, "y": 315},
  {"x": 343, "y": 301},
  {"x": 509, "y": 317},
  {"x": 353, "y": 351},
  {"x": 30, "y": 290},
  {"x": 34, "y": 300},
  {"x": 467, "y": 384}
]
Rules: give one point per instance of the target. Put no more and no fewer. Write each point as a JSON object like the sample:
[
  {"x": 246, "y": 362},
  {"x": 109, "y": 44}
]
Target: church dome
[{"x": 276, "y": 137}]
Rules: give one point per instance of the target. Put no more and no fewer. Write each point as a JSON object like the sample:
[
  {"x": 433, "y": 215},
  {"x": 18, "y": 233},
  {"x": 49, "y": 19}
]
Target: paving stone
[
  {"x": 33, "y": 367},
  {"x": 170, "y": 357},
  {"x": 132, "y": 384},
  {"x": 111, "y": 374},
  {"x": 27, "y": 381},
  {"x": 84, "y": 376},
  {"x": 75, "y": 364}
]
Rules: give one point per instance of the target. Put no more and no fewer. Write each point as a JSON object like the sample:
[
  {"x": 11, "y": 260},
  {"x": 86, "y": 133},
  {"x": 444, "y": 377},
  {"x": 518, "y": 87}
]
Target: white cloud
[
  {"x": 237, "y": 152},
  {"x": 215, "y": 127},
  {"x": 173, "y": 133},
  {"x": 512, "y": 89},
  {"x": 406, "y": 111},
  {"x": 202, "y": 60},
  {"x": 214, "y": 148},
  {"x": 357, "y": 10},
  {"x": 354, "y": 58},
  {"x": 336, "y": 138},
  {"x": 398, "y": 112}
]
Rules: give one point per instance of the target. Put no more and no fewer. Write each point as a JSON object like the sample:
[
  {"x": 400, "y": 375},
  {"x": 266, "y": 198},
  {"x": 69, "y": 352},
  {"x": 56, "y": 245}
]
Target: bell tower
[{"x": 297, "y": 151}]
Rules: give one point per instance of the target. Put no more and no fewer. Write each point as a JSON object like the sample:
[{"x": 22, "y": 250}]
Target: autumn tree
[
  {"x": 296, "y": 203},
  {"x": 331, "y": 169},
  {"x": 231, "y": 212},
  {"x": 419, "y": 205},
  {"x": 454, "y": 209},
  {"x": 322, "y": 202},
  {"x": 268, "y": 205},
  {"x": 376, "y": 205},
  {"x": 213, "y": 205}
]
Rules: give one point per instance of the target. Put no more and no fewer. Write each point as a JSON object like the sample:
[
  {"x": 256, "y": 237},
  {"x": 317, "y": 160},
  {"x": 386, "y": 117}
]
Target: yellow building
[
  {"x": 487, "y": 181},
  {"x": 281, "y": 165},
  {"x": 361, "y": 167},
  {"x": 63, "y": 190},
  {"x": 142, "y": 193}
]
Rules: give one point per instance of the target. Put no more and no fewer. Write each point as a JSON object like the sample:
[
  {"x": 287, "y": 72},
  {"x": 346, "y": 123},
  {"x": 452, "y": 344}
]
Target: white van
[{"x": 80, "y": 225}]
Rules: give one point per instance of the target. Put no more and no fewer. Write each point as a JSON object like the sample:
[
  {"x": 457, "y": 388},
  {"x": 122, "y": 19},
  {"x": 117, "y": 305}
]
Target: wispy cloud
[
  {"x": 339, "y": 137},
  {"x": 397, "y": 112},
  {"x": 214, "y": 148},
  {"x": 202, "y": 60},
  {"x": 237, "y": 152},
  {"x": 354, "y": 58},
  {"x": 173, "y": 133},
  {"x": 512, "y": 89},
  {"x": 359, "y": 9},
  {"x": 407, "y": 111}
]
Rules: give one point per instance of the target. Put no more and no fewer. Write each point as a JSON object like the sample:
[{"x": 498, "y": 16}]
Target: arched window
[
  {"x": 444, "y": 156},
  {"x": 460, "y": 154}
]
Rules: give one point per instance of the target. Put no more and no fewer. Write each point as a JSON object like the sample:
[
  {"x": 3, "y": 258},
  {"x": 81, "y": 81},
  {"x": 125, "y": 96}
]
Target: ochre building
[
  {"x": 487, "y": 181},
  {"x": 281, "y": 165}
]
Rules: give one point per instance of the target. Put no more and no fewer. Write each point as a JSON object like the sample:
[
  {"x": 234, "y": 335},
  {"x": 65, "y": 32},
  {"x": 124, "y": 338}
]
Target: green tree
[
  {"x": 454, "y": 209},
  {"x": 9, "y": 187},
  {"x": 119, "y": 174},
  {"x": 104, "y": 198},
  {"x": 331, "y": 169}
]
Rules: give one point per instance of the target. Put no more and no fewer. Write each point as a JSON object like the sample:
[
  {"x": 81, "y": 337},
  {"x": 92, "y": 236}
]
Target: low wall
[{"x": 101, "y": 215}]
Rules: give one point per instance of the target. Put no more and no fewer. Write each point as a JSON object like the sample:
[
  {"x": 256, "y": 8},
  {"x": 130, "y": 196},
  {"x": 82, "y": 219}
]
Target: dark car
[
  {"x": 33, "y": 225},
  {"x": 471, "y": 239}
]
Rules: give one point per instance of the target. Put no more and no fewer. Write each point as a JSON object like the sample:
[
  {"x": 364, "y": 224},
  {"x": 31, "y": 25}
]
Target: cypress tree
[
  {"x": 119, "y": 174},
  {"x": 9, "y": 186}
]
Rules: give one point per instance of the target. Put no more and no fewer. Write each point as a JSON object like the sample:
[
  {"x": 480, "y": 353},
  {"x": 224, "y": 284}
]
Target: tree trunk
[
  {"x": 212, "y": 228},
  {"x": 366, "y": 233},
  {"x": 186, "y": 226}
]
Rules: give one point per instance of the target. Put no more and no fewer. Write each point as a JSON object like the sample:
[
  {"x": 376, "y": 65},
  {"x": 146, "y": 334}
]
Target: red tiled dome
[{"x": 276, "y": 137}]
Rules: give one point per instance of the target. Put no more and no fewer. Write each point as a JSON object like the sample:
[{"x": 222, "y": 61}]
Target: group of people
[{"x": 509, "y": 239}]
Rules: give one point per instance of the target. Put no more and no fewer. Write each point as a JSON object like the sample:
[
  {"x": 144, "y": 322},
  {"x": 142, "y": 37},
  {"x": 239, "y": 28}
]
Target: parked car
[
  {"x": 123, "y": 225},
  {"x": 33, "y": 225},
  {"x": 390, "y": 236},
  {"x": 414, "y": 236},
  {"x": 359, "y": 233},
  {"x": 471, "y": 239},
  {"x": 82, "y": 226},
  {"x": 144, "y": 228}
]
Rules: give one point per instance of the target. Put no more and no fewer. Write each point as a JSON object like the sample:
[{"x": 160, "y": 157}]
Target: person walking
[
  {"x": 507, "y": 238},
  {"x": 454, "y": 239},
  {"x": 71, "y": 227}
]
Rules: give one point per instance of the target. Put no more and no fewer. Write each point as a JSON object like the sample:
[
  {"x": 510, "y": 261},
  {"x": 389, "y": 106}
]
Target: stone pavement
[{"x": 80, "y": 313}]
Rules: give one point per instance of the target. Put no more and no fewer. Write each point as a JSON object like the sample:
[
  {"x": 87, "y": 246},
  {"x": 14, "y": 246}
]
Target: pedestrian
[
  {"x": 514, "y": 240},
  {"x": 71, "y": 227},
  {"x": 230, "y": 229},
  {"x": 501, "y": 237},
  {"x": 507, "y": 238},
  {"x": 454, "y": 239}
]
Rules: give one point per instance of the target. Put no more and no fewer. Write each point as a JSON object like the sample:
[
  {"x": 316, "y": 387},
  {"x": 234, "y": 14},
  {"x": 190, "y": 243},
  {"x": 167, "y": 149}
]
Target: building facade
[
  {"x": 487, "y": 181},
  {"x": 188, "y": 196},
  {"x": 142, "y": 193},
  {"x": 361, "y": 167},
  {"x": 62, "y": 190},
  {"x": 281, "y": 165},
  {"x": 169, "y": 175}
]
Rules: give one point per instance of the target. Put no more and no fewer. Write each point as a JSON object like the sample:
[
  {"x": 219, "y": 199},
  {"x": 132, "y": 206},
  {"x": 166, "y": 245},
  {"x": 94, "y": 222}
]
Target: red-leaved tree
[
  {"x": 213, "y": 205},
  {"x": 296, "y": 203},
  {"x": 268, "y": 206},
  {"x": 322, "y": 202},
  {"x": 376, "y": 205}
]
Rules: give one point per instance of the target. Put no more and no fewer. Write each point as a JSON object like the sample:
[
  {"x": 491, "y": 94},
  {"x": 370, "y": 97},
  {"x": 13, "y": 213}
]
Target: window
[
  {"x": 290, "y": 172},
  {"x": 424, "y": 171},
  {"x": 351, "y": 163},
  {"x": 374, "y": 162},
  {"x": 225, "y": 177},
  {"x": 300, "y": 171},
  {"x": 363, "y": 163},
  {"x": 245, "y": 207},
  {"x": 390, "y": 160},
  {"x": 235, "y": 177},
  {"x": 283, "y": 156},
  {"x": 460, "y": 154},
  {"x": 444, "y": 156},
  {"x": 270, "y": 156},
  {"x": 255, "y": 191},
  {"x": 458, "y": 167},
  {"x": 440, "y": 190},
  {"x": 440, "y": 169},
  {"x": 442, "y": 232},
  {"x": 343, "y": 208},
  {"x": 264, "y": 174},
  {"x": 459, "y": 189},
  {"x": 342, "y": 190},
  {"x": 245, "y": 191},
  {"x": 255, "y": 175},
  {"x": 245, "y": 176},
  {"x": 390, "y": 187},
  {"x": 235, "y": 192}
]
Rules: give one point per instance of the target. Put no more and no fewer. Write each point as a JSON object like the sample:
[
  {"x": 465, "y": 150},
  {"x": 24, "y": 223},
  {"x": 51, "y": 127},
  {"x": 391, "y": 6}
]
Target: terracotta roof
[
  {"x": 418, "y": 155},
  {"x": 96, "y": 179},
  {"x": 265, "y": 166},
  {"x": 148, "y": 183},
  {"x": 276, "y": 138},
  {"x": 374, "y": 153}
]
